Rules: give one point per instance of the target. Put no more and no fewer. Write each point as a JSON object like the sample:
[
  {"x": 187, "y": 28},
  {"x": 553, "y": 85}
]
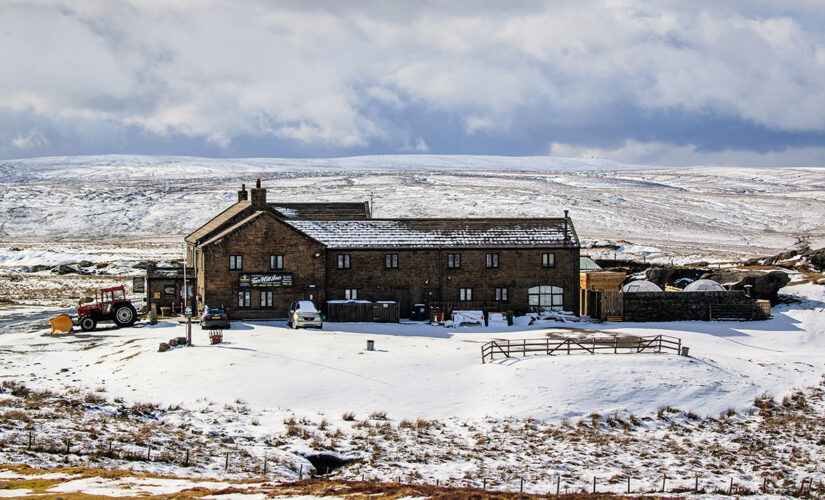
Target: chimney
[
  {"x": 258, "y": 195},
  {"x": 565, "y": 226},
  {"x": 243, "y": 195}
]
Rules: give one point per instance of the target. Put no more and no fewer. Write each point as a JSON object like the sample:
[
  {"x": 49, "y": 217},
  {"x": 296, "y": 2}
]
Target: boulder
[
  {"x": 181, "y": 340},
  {"x": 173, "y": 342},
  {"x": 765, "y": 285},
  {"x": 85, "y": 263},
  {"x": 163, "y": 347},
  {"x": 65, "y": 269},
  {"x": 670, "y": 275},
  {"x": 816, "y": 258}
]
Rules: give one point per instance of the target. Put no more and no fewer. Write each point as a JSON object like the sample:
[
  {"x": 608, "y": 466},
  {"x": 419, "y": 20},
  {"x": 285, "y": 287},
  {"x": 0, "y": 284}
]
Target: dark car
[{"x": 214, "y": 318}]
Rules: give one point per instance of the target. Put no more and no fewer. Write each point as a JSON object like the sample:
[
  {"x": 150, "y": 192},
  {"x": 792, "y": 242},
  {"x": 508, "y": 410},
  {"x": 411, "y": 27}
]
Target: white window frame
[
  {"x": 236, "y": 262},
  {"x": 344, "y": 261},
  {"x": 391, "y": 261},
  {"x": 548, "y": 259},
  {"x": 503, "y": 294},
  {"x": 492, "y": 261},
  {"x": 453, "y": 261},
  {"x": 266, "y": 298},
  {"x": 244, "y": 299},
  {"x": 351, "y": 294},
  {"x": 465, "y": 294},
  {"x": 545, "y": 298},
  {"x": 276, "y": 261}
]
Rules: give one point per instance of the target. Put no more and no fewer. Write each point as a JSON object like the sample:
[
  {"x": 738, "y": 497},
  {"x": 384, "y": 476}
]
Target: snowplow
[{"x": 61, "y": 324}]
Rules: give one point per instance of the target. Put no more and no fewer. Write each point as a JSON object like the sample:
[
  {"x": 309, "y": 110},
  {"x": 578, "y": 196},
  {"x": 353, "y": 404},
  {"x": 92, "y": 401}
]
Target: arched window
[{"x": 545, "y": 298}]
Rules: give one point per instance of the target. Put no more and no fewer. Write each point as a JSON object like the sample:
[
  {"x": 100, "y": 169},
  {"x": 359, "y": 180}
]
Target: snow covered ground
[
  {"x": 423, "y": 407},
  {"x": 685, "y": 210}
]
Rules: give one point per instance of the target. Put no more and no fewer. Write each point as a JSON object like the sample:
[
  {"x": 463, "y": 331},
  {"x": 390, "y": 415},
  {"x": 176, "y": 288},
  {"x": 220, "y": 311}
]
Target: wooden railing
[{"x": 617, "y": 345}]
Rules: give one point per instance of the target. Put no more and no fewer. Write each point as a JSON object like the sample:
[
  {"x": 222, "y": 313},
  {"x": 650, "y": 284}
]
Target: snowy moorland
[
  {"x": 739, "y": 210},
  {"x": 747, "y": 404}
]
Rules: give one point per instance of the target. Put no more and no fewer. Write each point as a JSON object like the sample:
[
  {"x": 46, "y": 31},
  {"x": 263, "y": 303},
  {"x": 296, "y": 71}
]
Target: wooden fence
[
  {"x": 360, "y": 312},
  {"x": 617, "y": 345}
]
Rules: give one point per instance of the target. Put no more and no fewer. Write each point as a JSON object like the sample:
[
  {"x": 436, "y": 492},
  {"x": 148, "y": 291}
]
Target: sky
[{"x": 738, "y": 82}]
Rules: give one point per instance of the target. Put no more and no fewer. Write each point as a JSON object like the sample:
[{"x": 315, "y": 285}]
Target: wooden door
[{"x": 402, "y": 297}]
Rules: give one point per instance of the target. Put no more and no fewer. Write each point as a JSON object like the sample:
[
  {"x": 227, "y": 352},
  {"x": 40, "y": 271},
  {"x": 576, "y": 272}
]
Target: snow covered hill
[{"x": 740, "y": 210}]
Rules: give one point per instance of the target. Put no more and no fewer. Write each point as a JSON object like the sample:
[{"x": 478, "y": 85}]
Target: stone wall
[
  {"x": 423, "y": 276},
  {"x": 682, "y": 306},
  {"x": 256, "y": 241}
]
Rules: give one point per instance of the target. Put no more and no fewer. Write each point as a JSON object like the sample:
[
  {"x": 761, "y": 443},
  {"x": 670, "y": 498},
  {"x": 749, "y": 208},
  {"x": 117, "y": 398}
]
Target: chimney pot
[
  {"x": 258, "y": 183},
  {"x": 243, "y": 187}
]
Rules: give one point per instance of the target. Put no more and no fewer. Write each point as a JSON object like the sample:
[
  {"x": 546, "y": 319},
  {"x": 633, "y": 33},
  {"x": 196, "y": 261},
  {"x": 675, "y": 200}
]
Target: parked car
[
  {"x": 214, "y": 318},
  {"x": 302, "y": 313}
]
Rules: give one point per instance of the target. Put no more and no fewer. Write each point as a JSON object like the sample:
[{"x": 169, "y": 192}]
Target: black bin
[{"x": 418, "y": 312}]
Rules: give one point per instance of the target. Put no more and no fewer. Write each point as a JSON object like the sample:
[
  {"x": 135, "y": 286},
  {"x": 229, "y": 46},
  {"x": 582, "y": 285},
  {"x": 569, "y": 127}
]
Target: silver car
[{"x": 302, "y": 313}]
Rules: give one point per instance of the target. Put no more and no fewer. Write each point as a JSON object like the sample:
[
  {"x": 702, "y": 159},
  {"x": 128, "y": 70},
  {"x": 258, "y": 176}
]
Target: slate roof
[
  {"x": 434, "y": 233},
  {"x": 218, "y": 221},
  {"x": 322, "y": 210},
  {"x": 234, "y": 227}
]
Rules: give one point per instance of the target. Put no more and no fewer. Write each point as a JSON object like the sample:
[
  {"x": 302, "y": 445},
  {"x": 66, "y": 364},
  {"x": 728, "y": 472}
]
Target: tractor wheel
[
  {"x": 87, "y": 323},
  {"x": 125, "y": 315}
]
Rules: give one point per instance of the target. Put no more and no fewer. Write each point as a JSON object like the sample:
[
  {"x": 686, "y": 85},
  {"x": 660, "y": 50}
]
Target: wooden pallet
[{"x": 613, "y": 318}]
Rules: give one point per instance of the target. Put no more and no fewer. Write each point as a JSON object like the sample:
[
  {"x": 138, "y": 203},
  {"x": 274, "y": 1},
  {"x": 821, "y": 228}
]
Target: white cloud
[
  {"x": 419, "y": 147},
  {"x": 32, "y": 140},
  {"x": 658, "y": 153},
  {"x": 316, "y": 75}
]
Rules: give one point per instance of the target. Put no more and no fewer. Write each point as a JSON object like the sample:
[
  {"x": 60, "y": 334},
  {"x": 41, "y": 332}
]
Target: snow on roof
[
  {"x": 704, "y": 286},
  {"x": 433, "y": 233},
  {"x": 641, "y": 286},
  {"x": 323, "y": 210}
]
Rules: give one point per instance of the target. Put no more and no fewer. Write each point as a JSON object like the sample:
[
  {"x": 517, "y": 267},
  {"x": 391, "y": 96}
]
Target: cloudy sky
[{"x": 657, "y": 82}]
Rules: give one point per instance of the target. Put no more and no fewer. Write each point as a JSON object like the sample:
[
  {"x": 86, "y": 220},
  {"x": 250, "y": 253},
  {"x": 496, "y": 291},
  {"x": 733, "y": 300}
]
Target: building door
[{"x": 402, "y": 297}]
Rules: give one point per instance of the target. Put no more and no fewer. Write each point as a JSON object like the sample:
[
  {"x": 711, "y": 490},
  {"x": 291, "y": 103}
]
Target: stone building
[{"x": 258, "y": 256}]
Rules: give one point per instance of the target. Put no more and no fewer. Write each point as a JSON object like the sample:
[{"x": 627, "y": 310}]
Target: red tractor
[{"x": 111, "y": 305}]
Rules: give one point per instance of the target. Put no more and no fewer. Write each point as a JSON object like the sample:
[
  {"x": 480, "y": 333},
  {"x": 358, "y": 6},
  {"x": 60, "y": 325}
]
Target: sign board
[
  {"x": 265, "y": 280},
  {"x": 138, "y": 284},
  {"x": 156, "y": 295},
  {"x": 187, "y": 311}
]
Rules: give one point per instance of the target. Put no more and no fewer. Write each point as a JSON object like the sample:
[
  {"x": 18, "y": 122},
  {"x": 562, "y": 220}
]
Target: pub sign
[{"x": 265, "y": 280}]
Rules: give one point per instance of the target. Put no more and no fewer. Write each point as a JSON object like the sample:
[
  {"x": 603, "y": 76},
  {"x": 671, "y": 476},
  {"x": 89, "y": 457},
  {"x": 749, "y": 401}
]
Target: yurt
[
  {"x": 641, "y": 286},
  {"x": 704, "y": 286}
]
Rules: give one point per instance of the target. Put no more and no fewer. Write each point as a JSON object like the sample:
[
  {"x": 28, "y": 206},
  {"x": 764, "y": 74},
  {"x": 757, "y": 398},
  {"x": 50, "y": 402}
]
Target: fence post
[
  {"x": 567, "y": 341},
  {"x": 226, "y": 466},
  {"x": 524, "y": 347},
  {"x": 594, "y": 485},
  {"x": 558, "y": 484},
  {"x": 628, "y": 485},
  {"x": 594, "y": 346},
  {"x": 615, "y": 345}
]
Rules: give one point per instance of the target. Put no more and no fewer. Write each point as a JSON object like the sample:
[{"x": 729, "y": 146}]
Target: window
[
  {"x": 236, "y": 262},
  {"x": 502, "y": 295},
  {"x": 351, "y": 294},
  {"x": 276, "y": 261},
  {"x": 465, "y": 294},
  {"x": 545, "y": 298},
  {"x": 343, "y": 261},
  {"x": 492, "y": 260},
  {"x": 266, "y": 299},
  {"x": 244, "y": 298},
  {"x": 453, "y": 260},
  {"x": 548, "y": 260},
  {"x": 391, "y": 261}
]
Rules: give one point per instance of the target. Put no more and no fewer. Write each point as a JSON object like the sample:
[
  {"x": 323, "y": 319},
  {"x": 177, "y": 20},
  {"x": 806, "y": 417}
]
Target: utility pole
[{"x": 186, "y": 311}]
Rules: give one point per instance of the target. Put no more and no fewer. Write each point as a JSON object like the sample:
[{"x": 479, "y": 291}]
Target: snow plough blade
[{"x": 61, "y": 324}]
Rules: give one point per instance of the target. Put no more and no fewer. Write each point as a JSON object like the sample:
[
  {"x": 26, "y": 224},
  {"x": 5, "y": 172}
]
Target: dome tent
[
  {"x": 641, "y": 286},
  {"x": 704, "y": 286}
]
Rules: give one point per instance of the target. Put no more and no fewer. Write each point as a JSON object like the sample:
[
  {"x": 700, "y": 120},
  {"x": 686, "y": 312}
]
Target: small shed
[{"x": 592, "y": 282}]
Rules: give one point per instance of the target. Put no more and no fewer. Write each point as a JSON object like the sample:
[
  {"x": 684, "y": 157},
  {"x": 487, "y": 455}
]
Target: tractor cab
[{"x": 108, "y": 297}]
